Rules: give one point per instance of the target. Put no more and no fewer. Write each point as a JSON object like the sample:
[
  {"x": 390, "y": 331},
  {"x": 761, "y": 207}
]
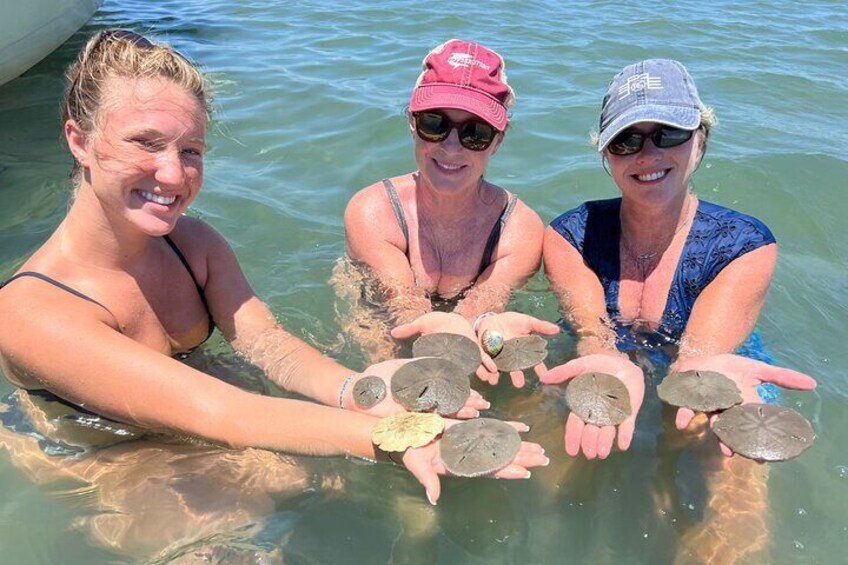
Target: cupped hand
[
  {"x": 388, "y": 406},
  {"x": 425, "y": 463},
  {"x": 747, "y": 374},
  {"x": 445, "y": 322},
  {"x": 593, "y": 440},
  {"x": 510, "y": 325}
]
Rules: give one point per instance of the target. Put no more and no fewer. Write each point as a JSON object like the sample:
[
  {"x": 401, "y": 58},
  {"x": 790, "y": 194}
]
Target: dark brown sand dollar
[
  {"x": 702, "y": 391},
  {"x": 454, "y": 347},
  {"x": 599, "y": 399},
  {"x": 764, "y": 432},
  {"x": 369, "y": 391},
  {"x": 429, "y": 384},
  {"x": 521, "y": 353},
  {"x": 479, "y": 447}
]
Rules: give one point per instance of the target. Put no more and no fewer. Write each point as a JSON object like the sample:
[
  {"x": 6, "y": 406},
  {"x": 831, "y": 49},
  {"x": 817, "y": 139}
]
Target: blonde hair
[{"x": 118, "y": 53}]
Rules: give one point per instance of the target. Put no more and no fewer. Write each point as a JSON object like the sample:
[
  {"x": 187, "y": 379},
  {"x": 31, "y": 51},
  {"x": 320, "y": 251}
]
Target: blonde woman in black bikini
[
  {"x": 446, "y": 246},
  {"x": 91, "y": 324}
]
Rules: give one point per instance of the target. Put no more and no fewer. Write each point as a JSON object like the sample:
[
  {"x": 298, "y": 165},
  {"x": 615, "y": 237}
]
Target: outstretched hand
[
  {"x": 747, "y": 374},
  {"x": 510, "y": 325},
  {"x": 445, "y": 322},
  {"x": 597, "y": 441},
  {"x": 425, "y": 463},
  {"x": 388, "y": 406}
]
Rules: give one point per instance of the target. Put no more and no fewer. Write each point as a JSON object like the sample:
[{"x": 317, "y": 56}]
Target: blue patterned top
[{"x": 717, "y": 237}]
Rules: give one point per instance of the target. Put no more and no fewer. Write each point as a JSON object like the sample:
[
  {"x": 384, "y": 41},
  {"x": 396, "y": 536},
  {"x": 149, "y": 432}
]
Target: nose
[
  {"x": 169, "y": 168},
  {"x": 649, "y": 152},
  {"x": 451, "y": 142}
]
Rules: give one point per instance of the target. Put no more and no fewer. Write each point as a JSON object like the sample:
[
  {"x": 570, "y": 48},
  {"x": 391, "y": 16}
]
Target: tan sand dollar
[
  {"x": 599, "y": 399},
  {"x": 764, "y": 432},
  {"x": 479, "y": 447},
  {"x": 702, "y": 391},
  {"x": 457, "y": 348},
  {"x": 402, "y": 431},
  {"x": 521, "y": 353},
  {"x": 431, "y": 384}
]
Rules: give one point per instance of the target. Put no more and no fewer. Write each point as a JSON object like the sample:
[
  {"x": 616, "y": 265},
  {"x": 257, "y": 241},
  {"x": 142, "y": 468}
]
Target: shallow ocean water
[{"x": 309, "y": 108}]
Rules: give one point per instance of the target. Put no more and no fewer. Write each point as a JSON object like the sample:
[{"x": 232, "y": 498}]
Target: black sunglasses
[
  {"x": 434, "y": 127},
  {"x": 631, "y": 141}
]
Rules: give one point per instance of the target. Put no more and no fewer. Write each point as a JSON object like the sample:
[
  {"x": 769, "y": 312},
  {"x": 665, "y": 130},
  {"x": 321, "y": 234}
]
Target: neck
[
  {"x": 649, "y": 228},
  {"x": 91, "y": 236},
  {"x": 453, "y": 207}
]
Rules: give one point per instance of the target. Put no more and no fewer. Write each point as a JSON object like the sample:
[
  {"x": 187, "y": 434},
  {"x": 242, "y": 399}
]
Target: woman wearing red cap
[{"x": 445, "y": 245}]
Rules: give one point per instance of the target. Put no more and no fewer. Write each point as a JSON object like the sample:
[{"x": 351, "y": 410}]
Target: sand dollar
[
  {"x": 431, "y": 384},
  {"x": 764, "y": 432},
  {"x": 456, "y": 348},
  {"x": 521, "y": 353},
  {"x": 702, "y": 391},
  {"x": 402, "y": 431},
  {"x": 479, "y": 447},
  {"x": 369, "y": 391},
  {"x": 599, "y": 399}
]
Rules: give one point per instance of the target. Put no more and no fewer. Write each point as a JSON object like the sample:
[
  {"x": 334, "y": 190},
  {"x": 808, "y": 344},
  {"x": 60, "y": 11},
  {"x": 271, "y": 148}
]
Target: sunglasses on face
[
  {"x": 435, "y": 127},
  {"x": 631, "y": 141}
]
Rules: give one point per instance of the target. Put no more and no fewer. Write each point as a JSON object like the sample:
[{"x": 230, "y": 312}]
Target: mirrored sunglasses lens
[
  {"x": 432, "y": 127},
  {"x": 627, "y": 143},
  {"x": 671, "y": 137},
  {"x": 476, "y": 136}
]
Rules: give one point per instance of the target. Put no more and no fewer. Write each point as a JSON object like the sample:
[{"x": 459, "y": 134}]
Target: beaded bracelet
[{"x": 343, "y": 390}]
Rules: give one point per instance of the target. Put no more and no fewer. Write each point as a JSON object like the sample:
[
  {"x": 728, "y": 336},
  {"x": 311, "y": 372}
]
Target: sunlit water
[{"x": 309, "y": 100}]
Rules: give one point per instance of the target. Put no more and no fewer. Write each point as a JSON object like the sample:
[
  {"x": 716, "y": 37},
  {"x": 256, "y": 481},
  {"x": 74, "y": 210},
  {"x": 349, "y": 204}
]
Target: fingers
[
  {"x": 564, "y": 372},
  {"x": 540, "y": 370},
  {"x": 512, "y": 471},
  {"x": 531, "y": 455},
  {"x": 428, "y": 478},
  {"x": 486, "y": 376},
  {"x": 543, "y": 327},
  {"x": 488, "y": 363},
  {"x": 466, "y": 413},
  {"x": 573, "y": 432},
  {"x": 625, "y": 433},
  {"x": 589, "y": 441},
  {"x": 517, "y": 378},
  {"x": 787, "y": 378},
  {"x": 605, "y": 441},
  {"x": 683, "y": 418},
  {"x": 405, "y": 331},
  {"x": 519, "y": 426},
  {"x": 477, "y": 401},
  {"x": 726, "y": 451}
]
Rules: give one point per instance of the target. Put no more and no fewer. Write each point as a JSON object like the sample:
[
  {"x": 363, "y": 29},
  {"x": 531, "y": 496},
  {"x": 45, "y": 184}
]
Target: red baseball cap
[{"x": 465, "y": 76}]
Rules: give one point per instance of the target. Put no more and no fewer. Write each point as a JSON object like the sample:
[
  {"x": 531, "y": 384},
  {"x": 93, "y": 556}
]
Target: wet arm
[
  {"x": 726, "y": 311},
  {"x": 62, "y": 347},
  {"x": 580, "y": 295},
  {"x": 374, "y": 240}
]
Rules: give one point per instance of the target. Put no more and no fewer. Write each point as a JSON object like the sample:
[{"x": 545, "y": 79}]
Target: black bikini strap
[
  {"x": 495, "y": 234},
  {"x": 57, "y": 284},
  {"x": 401, "y": 218},
  {"x": 184, "y": 261}
]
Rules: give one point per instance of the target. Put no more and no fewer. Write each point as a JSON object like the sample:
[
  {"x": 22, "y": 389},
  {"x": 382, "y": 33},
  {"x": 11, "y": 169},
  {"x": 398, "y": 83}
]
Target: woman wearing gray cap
[{"x": 658, "y": 266}]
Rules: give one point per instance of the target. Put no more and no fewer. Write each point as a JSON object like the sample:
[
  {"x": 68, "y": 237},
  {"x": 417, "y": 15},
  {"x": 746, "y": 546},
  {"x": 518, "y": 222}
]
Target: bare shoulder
[
  {"x": 369, "y": 214},
  {"x": 524, "y": 224}
]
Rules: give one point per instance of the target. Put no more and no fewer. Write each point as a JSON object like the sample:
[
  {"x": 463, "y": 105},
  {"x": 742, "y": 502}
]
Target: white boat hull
[{"x": 31, "y": 29}]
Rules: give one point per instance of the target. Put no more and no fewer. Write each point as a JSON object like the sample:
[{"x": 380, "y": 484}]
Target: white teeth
[
  {"x": 449, "y": 167},
  {"x": 165, "y": 200},
  {"x": 651, "y": 176}
]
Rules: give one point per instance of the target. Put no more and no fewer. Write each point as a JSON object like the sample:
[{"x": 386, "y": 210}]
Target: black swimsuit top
[
  {"x": 77, "y": 293},
  {"x": 491, "y": 243}
]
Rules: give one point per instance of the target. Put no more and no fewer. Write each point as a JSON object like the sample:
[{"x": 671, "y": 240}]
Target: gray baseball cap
[{"x": 655, "y": 90}]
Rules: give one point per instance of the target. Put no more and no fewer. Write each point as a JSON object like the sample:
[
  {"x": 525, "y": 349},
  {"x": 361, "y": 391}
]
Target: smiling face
[
  {"x": 447, "y": 166},
  {"x": 655, "y": 175},
  {"x": 144, "y": 161}
]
